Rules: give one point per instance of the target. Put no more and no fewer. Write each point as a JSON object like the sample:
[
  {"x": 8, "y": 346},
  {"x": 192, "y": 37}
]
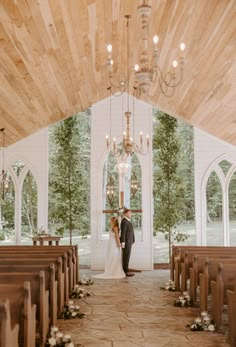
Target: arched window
[
  {"x": 232, "y": 210},
  {"x": 136, "y": 199},
  {"x": 214, "y": 220},
  {"x": 7, "y": 213},
  {"x": 29, "y": 207},
  {"x": 110, "y": 193}
]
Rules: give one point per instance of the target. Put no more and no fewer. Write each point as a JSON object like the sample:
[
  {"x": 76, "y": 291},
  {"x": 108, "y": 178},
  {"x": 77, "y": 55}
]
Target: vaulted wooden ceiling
[{"x": 53, "y": 59}]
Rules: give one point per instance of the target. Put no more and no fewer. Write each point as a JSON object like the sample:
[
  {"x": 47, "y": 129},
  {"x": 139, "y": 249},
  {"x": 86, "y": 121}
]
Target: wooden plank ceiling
[{"x": 53, "y": 59}]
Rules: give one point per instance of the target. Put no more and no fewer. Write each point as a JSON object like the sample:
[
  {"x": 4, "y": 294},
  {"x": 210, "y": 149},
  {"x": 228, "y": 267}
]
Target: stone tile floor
[{"x": 134, "y": 312}]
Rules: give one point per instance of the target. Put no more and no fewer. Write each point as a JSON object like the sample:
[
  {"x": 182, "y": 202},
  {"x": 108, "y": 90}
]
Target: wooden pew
[
  {"x": 50, "y": 285},
  {"x": 209, "y": 274},
  {"x": 187, "y": 259},
  {"x": 27, "y": 259},
  {"x": 178, "y": 257},
  {"x": 231, "y": 296},
  {"x": 225, "y": 280},
  {"x": 8, "y": 335},
  {"x": 22, "y": 314},
  {"x": 9, "y": 265},
  {"x": 199, "y": 264},
  {"x": 74, "y": 254},
  {"x": 67, "y": 253}
]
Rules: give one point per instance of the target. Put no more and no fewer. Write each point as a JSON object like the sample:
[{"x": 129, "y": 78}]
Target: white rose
[
  {"x": 52, "y": 341},
  {"x": 54, "y": 330},
  {"x": 198, "y": 320},
  {"x": 193, "y": 326},
  {"x": 70, "y": 302},
  {"x": 203, "y": 313},
  {"x": 70, "y": 344},
  {"x": 73, "y": 314},
  {"x": 211, "y": 327},
  {"x": 77, "y": 307},
  {"x": 181, "y": 298},
  {"x": 185, "y": 293},
  {"x": 66, "y": 337}
]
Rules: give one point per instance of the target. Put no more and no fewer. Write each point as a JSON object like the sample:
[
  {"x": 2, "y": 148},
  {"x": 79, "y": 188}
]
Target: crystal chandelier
[
  {"x": 4, "y": 178},
  {"x": 147, "y": 71}
]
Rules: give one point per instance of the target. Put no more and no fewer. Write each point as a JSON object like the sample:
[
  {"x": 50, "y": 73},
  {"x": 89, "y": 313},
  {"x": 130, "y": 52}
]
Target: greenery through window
[
  {"x": 7, "y": 212},
  {"x": 214, "y": 211},
  {"x": 29, "y": 206},
  {"x": 225, "y": 166},
  {"x": 69, "y": 176}
]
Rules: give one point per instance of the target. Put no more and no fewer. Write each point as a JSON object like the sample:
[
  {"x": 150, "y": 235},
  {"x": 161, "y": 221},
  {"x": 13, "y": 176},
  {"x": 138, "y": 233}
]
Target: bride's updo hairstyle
[{"x": 114, "y": 222}]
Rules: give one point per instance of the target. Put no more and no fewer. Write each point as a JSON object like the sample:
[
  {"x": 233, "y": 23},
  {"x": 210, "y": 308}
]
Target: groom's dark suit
[{"x": 127, "y": 237}]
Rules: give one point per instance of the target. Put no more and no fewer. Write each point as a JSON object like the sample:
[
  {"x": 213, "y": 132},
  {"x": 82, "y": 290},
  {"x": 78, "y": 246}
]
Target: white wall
[
  {"x": 33, "y": 152},
  {"x": 209, "y": 151},
  {"x": 142, "y": 252}
]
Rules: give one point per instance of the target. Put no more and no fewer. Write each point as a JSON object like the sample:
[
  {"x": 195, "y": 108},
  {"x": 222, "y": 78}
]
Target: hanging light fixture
[
  {"x": 147, "y": 71},
  {"x": 133, "y": 184},
  {"x": 127, "y": 146},
  {"x": 4, "y": 178},
  {"x": 110, "y": 187}
]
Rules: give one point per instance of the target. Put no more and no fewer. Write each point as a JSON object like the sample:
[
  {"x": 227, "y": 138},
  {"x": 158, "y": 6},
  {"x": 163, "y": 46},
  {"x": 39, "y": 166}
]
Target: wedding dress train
[{"x": 113, "y": 261}]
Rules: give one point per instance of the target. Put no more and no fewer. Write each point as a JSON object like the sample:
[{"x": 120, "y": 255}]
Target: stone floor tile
[{"x": 135, "y": 312}]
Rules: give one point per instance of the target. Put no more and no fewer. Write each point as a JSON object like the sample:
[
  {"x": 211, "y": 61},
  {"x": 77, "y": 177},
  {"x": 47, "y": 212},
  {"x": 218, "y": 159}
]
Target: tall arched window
[
  {"x": 232, "y": 210},
  {"x": 214, "y": 220},
  {"x": 112, "y": 202},
  {"x": 7, "y": 213},
  {"x": 136, "y": 199},
  {"x": 29, "y": 207}
]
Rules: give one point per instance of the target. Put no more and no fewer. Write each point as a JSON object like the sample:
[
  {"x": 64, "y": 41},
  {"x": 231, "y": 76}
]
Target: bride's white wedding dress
[{"x": 113, "y": 262}]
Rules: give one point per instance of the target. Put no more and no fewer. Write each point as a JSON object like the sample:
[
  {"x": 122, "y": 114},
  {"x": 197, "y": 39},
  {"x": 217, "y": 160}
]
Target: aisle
[{"x": 134, "y": 312}]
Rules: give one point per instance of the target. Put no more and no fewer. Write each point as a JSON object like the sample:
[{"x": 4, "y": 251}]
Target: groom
[{"x": 127, "y": 239}]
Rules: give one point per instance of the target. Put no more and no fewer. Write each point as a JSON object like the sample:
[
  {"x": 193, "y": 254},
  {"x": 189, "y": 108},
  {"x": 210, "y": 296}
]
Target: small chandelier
[
  {"x": 147, "y": 71},
  {"x": 133, "y": 184},
  {"x": 4, "y": 178},
  {"x": 110, "y": 187}
]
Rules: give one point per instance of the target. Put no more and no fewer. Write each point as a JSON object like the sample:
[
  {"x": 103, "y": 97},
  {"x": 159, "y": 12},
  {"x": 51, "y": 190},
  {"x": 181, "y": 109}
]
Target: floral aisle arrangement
[
  {"x": 86, "y": 280},
  {"x": 170, "y": 285},
  {"x": 58, "y": 339},
  {"x": 184, "y": 301},
  {"x": 203, "y": 323},
  {"x": 71, "y": 311},
  {"x": 78, "y": 292}
]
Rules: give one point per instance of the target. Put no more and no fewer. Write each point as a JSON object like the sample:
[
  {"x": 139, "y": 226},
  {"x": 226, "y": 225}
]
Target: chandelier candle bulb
[{"x": 175, "y": 63}]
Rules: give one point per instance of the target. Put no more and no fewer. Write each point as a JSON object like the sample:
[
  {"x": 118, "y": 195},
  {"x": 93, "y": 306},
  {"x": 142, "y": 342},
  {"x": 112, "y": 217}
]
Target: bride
[{"x": 113, "y": 265}]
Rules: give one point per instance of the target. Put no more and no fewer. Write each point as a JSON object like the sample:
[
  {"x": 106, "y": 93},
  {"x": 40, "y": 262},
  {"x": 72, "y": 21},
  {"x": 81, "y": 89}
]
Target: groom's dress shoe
[{"x": 129, "y": 274}]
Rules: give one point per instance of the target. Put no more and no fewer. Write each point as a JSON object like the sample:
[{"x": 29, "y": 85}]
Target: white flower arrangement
[
  {"x": 71, "y": 311},
  {"x": 58, "y": 339},
  {"x": 170, "y": 285},
  {"x": 203, "y": 323},
  {"x": 86, "y": 280},
  {"x": 184, "y": 300},
  {"x": 78, "y": 292}
]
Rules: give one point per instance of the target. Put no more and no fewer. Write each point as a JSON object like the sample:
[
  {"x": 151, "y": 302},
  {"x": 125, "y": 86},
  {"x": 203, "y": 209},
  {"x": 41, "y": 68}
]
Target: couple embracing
[{"x": 117, "y": 261}]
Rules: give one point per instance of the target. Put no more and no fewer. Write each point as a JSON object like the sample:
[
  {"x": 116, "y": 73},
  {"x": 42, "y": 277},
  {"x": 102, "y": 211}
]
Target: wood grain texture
[{"x": 53, "y": 59}]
